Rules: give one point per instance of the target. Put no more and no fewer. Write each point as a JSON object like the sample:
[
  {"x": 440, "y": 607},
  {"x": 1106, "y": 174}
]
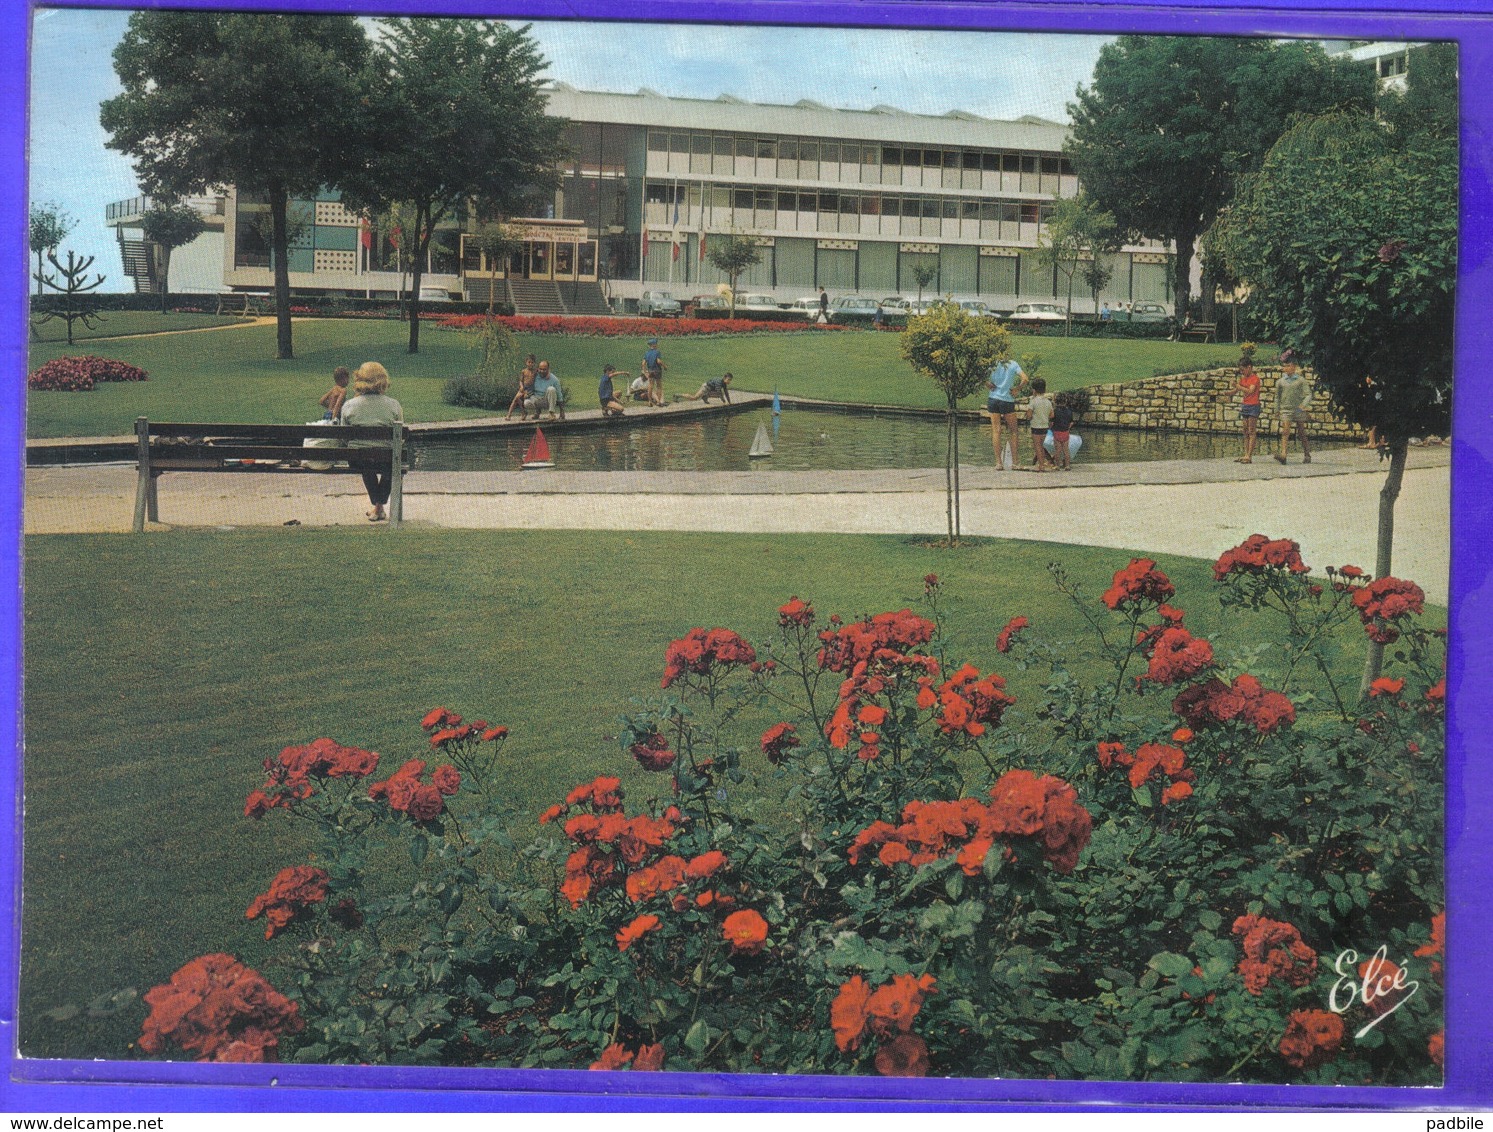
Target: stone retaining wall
[{"x": 1207, "y": 401}]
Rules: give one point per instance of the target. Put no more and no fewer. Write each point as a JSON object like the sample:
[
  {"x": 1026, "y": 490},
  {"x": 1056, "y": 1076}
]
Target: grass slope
[
  {"x": 232, "y": 375},
  {"x": 161, "y": 671},
  {"x": 116, "y": 324}
]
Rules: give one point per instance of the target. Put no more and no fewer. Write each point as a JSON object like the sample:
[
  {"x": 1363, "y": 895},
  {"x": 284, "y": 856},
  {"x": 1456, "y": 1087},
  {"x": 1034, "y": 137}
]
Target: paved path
[{"x": 1197, "y": 508}]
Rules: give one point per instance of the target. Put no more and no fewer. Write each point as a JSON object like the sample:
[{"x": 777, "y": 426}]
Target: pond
[{"x": 806, "y": 439}]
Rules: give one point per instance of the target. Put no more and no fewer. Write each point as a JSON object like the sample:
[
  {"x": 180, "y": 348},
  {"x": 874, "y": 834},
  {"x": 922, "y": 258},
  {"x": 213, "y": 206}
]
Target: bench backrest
[{"x": 271, "y": 433}]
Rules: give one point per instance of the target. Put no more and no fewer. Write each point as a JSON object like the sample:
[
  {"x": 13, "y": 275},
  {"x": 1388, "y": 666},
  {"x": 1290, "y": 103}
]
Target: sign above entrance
[{"x": 557, "y": 230}]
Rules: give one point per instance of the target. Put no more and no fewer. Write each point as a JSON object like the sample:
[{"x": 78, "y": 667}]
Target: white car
[
  {"x": 758, "y": 303},
  {"x": 1038, "y": 312},
  {"x": 434, "y": 293},
  {"x": 808, "y": 308},
  {"x": 853, "y": 307},
  {"x": 975, "y": 308}
]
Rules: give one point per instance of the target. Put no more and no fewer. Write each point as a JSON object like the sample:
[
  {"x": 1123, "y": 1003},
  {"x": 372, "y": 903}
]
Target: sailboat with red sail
[{"x": 537, "y": 455}]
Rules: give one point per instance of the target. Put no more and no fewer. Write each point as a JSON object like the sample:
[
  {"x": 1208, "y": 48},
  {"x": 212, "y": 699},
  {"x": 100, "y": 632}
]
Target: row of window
[
  {"x": 850, "y": 153},
  {"x": 845, "y": 204}
]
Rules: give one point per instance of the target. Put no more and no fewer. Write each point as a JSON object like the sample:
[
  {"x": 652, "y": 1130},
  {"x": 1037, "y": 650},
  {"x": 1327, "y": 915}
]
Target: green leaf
[
  {"x": 1170, "y": 964},
  {"x": 419, "y": 847},
  {"x": 697, "y": 1040},
  {"x": 1210, "y": 919}
]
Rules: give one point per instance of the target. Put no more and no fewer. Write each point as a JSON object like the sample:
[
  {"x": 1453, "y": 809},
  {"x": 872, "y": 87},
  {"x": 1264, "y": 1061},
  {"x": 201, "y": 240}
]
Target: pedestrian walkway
[{"x": 1196, "y": 507}]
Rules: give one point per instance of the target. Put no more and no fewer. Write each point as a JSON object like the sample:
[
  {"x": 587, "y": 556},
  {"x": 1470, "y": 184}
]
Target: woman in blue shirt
[{"x": 1005, "y": 379}]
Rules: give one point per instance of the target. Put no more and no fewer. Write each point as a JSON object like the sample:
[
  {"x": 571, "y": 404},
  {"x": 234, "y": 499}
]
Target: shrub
[
  {"x": 907, "y": 871},
  {"x": 480, "y": 391},
  {"x": 78, "y": 374}
]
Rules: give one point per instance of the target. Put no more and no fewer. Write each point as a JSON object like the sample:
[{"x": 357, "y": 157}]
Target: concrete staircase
[
  {"x": 584, "y": 298},
  {"x": 536, "y": 296},
  {"x": 479, "y": 290},
  {"x": 139, "y": 265}
]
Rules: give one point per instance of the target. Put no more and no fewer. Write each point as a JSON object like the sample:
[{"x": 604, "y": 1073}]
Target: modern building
[
  {"x": 1389, "y": 58},
  {"x": 855, "y": 201}
]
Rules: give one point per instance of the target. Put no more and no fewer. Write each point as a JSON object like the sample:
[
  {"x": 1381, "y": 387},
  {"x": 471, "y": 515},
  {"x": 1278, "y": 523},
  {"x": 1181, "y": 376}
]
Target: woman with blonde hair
[{"x": 372, "y": 405}]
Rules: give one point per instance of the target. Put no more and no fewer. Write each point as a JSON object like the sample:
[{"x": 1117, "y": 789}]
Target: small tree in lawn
[
  {"x": 170, "y": 226},
  {"x": 49, "y": 227},
  {"x": 1077, "y": 231},
  {"x": 1348, "y": 239},
  {"x": 923, "y": 274},
  {"x": 733, "y": 254},
  {"x": 74, "y": 305},
  {"x": 958, "y": 352}
]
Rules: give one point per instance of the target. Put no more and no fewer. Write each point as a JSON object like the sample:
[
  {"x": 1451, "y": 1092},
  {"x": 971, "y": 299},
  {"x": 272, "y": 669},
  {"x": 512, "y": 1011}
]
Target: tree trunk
[
  {"x": 1182, "y": 276},
  {"x": 1205, "y": 300},
  {"x": 165, "y": 277},
  {"x": 39, "y": 269},
  {"x": 954, "y": 448},
  {"x": 417, "y": 270},
  {"x": 280, "y": 246},
  {"x": 1384, "y": 545},
  {"x": 948, "y": 473}
]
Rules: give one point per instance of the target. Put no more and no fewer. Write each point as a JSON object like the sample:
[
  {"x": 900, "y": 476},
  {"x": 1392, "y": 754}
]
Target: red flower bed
[
  {"x": 613, "y": 327},
  {"x": 78, "y": 375},
  {"x": 219, "y": 1009}
]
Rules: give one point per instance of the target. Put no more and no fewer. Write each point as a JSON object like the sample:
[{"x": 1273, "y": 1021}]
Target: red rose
[
  {"x": 906, "y": 1055},
  {"x": 745, "y": 931}
]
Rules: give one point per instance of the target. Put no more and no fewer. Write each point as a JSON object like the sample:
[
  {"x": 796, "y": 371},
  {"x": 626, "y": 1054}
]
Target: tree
[
  {"x": 73, "y": 306},
  {"x": 922, "y": 275},
  {"x": 958, "y": 351},
  {"x": 170, "y": 226},
  {"x": 1077, "y": 231},
  {"x": 1169, "y": 123},
  {"x": 273, "y": 104},
  {"x": 1347, "y": 237},
  {"x": 49, "y": 227},
  {"x": 463, "y": 102},
  {"x": 733, "y": 254}
]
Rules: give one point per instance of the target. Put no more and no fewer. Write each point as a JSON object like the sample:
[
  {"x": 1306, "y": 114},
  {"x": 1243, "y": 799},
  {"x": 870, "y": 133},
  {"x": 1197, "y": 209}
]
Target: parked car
[
  {"x": 853, "y": 306},
  {"x": 1038, "y": 312},
  {"x": 708, "y": 303},
  {"x": 1144, "y": 312},
  {"x": 807, "y": 307},
  {"x": 758, "y": 302},
  {"x": 975, "y": 308},
  {"x": 896, "y": 304},
  {"x": 659, "y": 304},
  {"x": 434, "y": 293}
]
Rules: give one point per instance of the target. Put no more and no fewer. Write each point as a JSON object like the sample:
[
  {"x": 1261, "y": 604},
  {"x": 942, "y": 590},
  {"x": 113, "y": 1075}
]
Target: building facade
[{"x": 855, "y": 201}]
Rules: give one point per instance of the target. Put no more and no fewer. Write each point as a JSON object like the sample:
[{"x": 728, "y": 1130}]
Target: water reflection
[{"x": 803, "y": 440}]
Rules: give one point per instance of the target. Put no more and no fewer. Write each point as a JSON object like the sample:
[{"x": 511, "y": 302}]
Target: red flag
[
  {"x": 395, "y": 234},
  {"x": 645, "y": 241},
  {"x": 676, "y": 250},
  {"x": 365, "y": 234},
  {"x": 702, "y": 247}
]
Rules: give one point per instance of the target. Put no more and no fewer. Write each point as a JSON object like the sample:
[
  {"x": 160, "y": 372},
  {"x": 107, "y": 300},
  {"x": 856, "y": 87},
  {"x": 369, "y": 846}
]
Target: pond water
[{"x": 805, "y": 440}]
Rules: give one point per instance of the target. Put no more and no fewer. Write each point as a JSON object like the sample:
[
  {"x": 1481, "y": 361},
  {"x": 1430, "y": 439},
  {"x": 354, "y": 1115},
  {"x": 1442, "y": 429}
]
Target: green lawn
[
  {"x": 161, "y": 671},
  {"x": 115, "y": 324},
  {"x": 232, "y": 375}
]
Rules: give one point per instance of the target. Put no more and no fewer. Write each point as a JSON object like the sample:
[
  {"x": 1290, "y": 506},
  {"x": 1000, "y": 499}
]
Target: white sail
[{"x": 761, "y": 444}]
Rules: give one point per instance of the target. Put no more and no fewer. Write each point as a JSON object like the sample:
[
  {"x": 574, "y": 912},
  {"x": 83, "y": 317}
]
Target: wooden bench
[
  {"x": 172, "y": 447},
  {"x": 241, "y": 302},
  {"x": 1202, "y": 331}
]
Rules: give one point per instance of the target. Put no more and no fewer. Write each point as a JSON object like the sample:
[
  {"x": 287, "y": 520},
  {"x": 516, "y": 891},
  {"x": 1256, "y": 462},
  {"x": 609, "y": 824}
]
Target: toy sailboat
[
  {"x": 538, "y": 453},
  {"x": 761, "y": 445}
]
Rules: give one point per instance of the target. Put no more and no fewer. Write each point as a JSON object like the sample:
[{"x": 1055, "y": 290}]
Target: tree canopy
[
  {"x": 462, "y": 123},
  {"x": 1169, "y": 123},
  {"x": 273, "y": 104},
  {"x": 733, "y": 254},
  {"x": 170, "y": 226},
  {"x": 49, "y": 226}
]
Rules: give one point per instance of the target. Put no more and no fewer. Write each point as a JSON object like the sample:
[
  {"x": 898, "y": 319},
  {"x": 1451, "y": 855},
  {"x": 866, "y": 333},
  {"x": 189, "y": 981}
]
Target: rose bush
[
  {"x": 858, "y": 855},
  {"x": 80, "y": 374}
]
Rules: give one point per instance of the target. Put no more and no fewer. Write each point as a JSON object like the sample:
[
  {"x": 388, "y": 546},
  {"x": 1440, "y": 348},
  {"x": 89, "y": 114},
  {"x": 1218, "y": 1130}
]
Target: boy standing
[
  {"x": 1062, "y": 424},
  {"x": 1291, "y": 393},
  {"x": 1040, "y": 407}
]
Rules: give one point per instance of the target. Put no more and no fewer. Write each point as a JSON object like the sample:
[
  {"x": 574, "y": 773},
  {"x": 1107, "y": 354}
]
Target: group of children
[
  {"x": 1291, "y": 394},
  {"x": 1054, "y": 414}
]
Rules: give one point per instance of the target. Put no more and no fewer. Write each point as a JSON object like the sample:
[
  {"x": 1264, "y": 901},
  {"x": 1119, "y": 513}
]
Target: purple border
[{"x": 56, "y": 1086}]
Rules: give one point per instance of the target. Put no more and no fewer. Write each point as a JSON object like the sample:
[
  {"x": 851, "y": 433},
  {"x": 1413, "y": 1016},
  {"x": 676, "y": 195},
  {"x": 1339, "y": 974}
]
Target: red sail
[{"x": 539, "y": 449}]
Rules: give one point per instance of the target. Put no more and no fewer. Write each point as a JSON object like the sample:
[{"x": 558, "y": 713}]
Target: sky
[{"x": 994, "y": 74}]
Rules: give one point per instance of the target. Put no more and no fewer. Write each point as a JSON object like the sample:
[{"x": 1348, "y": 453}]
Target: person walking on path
[
  {"x": 653, "y": 366},
  {"x": 1291, "y": 393},
  {"x": 1004, "y": 380},
  {"x": 372, "y": 405},
  {"x": 1249, "y": 408},
  {"x": 823, "y": 306}
]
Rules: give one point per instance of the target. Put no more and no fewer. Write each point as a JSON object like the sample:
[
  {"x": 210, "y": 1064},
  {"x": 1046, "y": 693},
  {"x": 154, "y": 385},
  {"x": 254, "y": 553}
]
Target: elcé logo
[{"x": 1376, "y": 981}]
